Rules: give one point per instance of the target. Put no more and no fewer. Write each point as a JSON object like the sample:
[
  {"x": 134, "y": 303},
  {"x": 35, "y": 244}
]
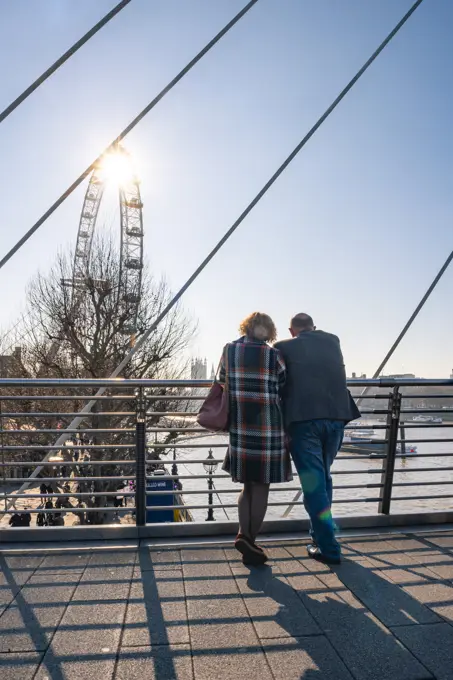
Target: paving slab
[
  {"x": 100, "y": 584},
  {"x": 371, "y": 546},
  {"x": 172, "y": 662},
  {"x": 437, "y": 596},
  {"x": 222, "y": 623},
  {"x": 367, "y": 647},
  {"x": 14, "y": 580},
  {"x": 107, "y": 559},
  {"x": 207, "y": 575},
  {"x": 21, "y": 561},
  {"x": 8, "y": 590},
  {"x": 81, "y": 616},
  {"x": 432, "y": 645},
  {"x": 21, "y": 666},
  {"x": 29, "y": 623},
  {"x": 440, "y": 563},
  {"x": 396, "y": 558},
  {"x": 391, "y": 604},
  {"x": 410, "y": 552},
  {"x": 443, "y": 571},
  {"x": 301, "y": 578},
  {"x": 32, "y": 634},
  {"x": 156, "y": 611},
  {"x": 80, "y": 655},
  {"x": 408, "y": 576},
  {"x": 407, "y": 543},
  {"x": 54, "y": 589},
  {"x": 11, "y": 583},
  {"x": 274, "y": 608},
  {"x": 234, "y": 664},
  {"x": 203, "y": 554},
  {"x": 160, "y": 559},
  {"x": 64, "y": 562},
  {"x": 80, "y": 668},
  {"x": 445, "y": 542},
  {"x": 304, "y": 657}
]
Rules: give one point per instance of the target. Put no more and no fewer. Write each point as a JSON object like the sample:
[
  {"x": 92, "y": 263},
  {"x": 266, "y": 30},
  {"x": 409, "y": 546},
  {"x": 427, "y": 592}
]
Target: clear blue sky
[{"x": 352, "y": 233}]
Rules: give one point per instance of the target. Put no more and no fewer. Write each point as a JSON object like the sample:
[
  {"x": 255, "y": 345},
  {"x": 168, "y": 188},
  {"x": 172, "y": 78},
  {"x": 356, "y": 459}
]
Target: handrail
[
  {"x": 138, "y": 438},
  {"x": 128, "y": 383}
]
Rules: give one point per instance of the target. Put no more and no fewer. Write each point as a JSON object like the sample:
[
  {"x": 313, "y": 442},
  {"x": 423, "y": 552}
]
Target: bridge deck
[{"x": 198, "y": 613}]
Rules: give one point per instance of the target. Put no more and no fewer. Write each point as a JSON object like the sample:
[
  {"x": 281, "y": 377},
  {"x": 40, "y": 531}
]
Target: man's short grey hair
[{"x": 302, "y": 322}]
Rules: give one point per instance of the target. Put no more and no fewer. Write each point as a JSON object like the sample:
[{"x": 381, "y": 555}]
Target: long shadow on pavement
[
  {"x": 31, "y": 626},
  {"x": 366, "y": 647}
]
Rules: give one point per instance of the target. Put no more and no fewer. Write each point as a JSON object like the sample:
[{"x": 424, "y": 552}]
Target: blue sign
[{"x": 157, "y": 484}]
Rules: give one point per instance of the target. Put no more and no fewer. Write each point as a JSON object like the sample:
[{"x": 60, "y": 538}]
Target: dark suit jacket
[{"x": 316, "y": 379}]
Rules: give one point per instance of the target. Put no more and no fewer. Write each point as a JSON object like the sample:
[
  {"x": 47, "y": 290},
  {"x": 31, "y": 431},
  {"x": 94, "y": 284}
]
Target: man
[{"x": 317, "y": 405}]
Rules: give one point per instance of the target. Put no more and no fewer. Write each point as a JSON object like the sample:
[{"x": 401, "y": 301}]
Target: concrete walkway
[{"x": 198, "y": 613}]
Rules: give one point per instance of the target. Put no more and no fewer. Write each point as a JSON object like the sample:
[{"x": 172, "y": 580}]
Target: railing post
[
  {"x": 140, "y": 457},
  {"x": 403, "y": 439},
  {"x": 388, "y": 465}
]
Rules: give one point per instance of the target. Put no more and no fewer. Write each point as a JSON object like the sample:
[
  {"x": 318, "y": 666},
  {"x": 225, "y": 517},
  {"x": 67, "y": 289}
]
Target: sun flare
[{"x": 116, "y": 168}]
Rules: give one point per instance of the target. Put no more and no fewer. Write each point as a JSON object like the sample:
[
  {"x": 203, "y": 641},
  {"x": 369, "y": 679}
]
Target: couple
[{"x": 306, "y": 376}]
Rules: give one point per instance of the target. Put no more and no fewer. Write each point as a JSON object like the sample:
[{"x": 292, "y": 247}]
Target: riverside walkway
[{"x": 194, "y": 612}]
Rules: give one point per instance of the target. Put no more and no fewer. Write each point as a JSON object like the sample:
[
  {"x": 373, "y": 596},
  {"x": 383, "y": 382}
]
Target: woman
[{"x": 254, "y": 373}]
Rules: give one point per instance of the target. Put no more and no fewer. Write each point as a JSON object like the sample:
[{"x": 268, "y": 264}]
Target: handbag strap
[
  {"x": 225, "y": 359},
  {"x": 225, "y": 352}
]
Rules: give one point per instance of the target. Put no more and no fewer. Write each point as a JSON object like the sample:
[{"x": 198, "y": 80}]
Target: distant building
[
  {"x": 212, "y": 377},
  {"x": 199, "y": 369},
  {"x": 451, "y": 374},
  {"x": 8, "y": 363},
  {"x": 354, "y": 376}
]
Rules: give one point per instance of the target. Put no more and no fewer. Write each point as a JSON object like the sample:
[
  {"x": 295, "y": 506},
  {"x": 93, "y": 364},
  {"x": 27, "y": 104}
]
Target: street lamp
[
  {"x": 174, "y": 472},
  {"x": 210, "y": 467}
]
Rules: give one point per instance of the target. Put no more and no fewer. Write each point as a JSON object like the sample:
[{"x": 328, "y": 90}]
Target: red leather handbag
[{"x": 214, "y": 412}]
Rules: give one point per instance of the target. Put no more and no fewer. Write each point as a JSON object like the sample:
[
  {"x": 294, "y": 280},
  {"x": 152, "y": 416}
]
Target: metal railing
[{"x": 138, "y": 459}]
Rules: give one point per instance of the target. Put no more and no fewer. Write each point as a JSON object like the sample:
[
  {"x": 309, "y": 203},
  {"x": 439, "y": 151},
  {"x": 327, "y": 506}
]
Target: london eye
[{"x": 117, "y": 166}]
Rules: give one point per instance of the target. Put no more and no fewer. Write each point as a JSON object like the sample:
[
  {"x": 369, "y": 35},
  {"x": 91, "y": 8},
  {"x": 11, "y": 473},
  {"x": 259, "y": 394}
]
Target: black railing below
[{"x": 139, "y": 458}]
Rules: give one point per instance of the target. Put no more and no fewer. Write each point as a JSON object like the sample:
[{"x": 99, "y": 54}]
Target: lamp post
[
  {"x": 210, "y": 467},
  {"x": 174, "y": 471}
]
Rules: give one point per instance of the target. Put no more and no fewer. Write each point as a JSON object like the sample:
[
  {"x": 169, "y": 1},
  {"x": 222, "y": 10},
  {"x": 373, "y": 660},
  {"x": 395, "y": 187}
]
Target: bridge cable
[
  {"x": 126, "y": 131},
  {"x": 409, "y": 323},
  {"x": 64, "y": 57},
  {"x": 87, "y": 408}
]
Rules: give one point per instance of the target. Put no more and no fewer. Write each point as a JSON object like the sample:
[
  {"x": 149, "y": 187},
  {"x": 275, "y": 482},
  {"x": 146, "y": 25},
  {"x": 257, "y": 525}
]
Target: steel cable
[
  {"x": 64, "y": 57},
  {"x": 126, "y": 131},
  {"x": 409, "y": 323}
]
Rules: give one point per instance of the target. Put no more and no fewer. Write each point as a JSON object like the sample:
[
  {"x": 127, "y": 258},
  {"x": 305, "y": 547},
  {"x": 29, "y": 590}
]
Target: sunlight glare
[{"x": 116, "y": 168}]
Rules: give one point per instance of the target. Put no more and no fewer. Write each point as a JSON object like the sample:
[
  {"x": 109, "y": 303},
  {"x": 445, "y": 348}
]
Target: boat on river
[
  {"x": 367, "y": 446},
  {"x": 427, "y": 419}
]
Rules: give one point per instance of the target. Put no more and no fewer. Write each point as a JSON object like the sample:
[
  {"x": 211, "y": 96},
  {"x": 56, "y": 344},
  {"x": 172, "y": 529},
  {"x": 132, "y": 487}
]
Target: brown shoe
[
  {"x": 255, "y": 545},
  {"x": 250, "y": 552}
]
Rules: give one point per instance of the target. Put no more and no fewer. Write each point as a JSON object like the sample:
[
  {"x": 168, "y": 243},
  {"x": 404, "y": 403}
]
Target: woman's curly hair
[{"x": 258, "y": 326}]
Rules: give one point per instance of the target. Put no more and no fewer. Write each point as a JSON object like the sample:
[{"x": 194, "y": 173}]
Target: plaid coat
[{"x": 255, "y": 373}]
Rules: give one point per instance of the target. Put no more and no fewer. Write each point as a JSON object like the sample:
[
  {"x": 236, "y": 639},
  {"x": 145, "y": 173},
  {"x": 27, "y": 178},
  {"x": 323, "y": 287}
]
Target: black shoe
[
  {"x": 250, "y": 552},
  {"x": 254, "y": 561},
  {"x": 315, "y": 553}
]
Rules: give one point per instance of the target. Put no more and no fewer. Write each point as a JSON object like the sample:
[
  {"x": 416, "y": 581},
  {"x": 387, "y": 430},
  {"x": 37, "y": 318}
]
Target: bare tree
[{"x": 83, "y": 330}]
